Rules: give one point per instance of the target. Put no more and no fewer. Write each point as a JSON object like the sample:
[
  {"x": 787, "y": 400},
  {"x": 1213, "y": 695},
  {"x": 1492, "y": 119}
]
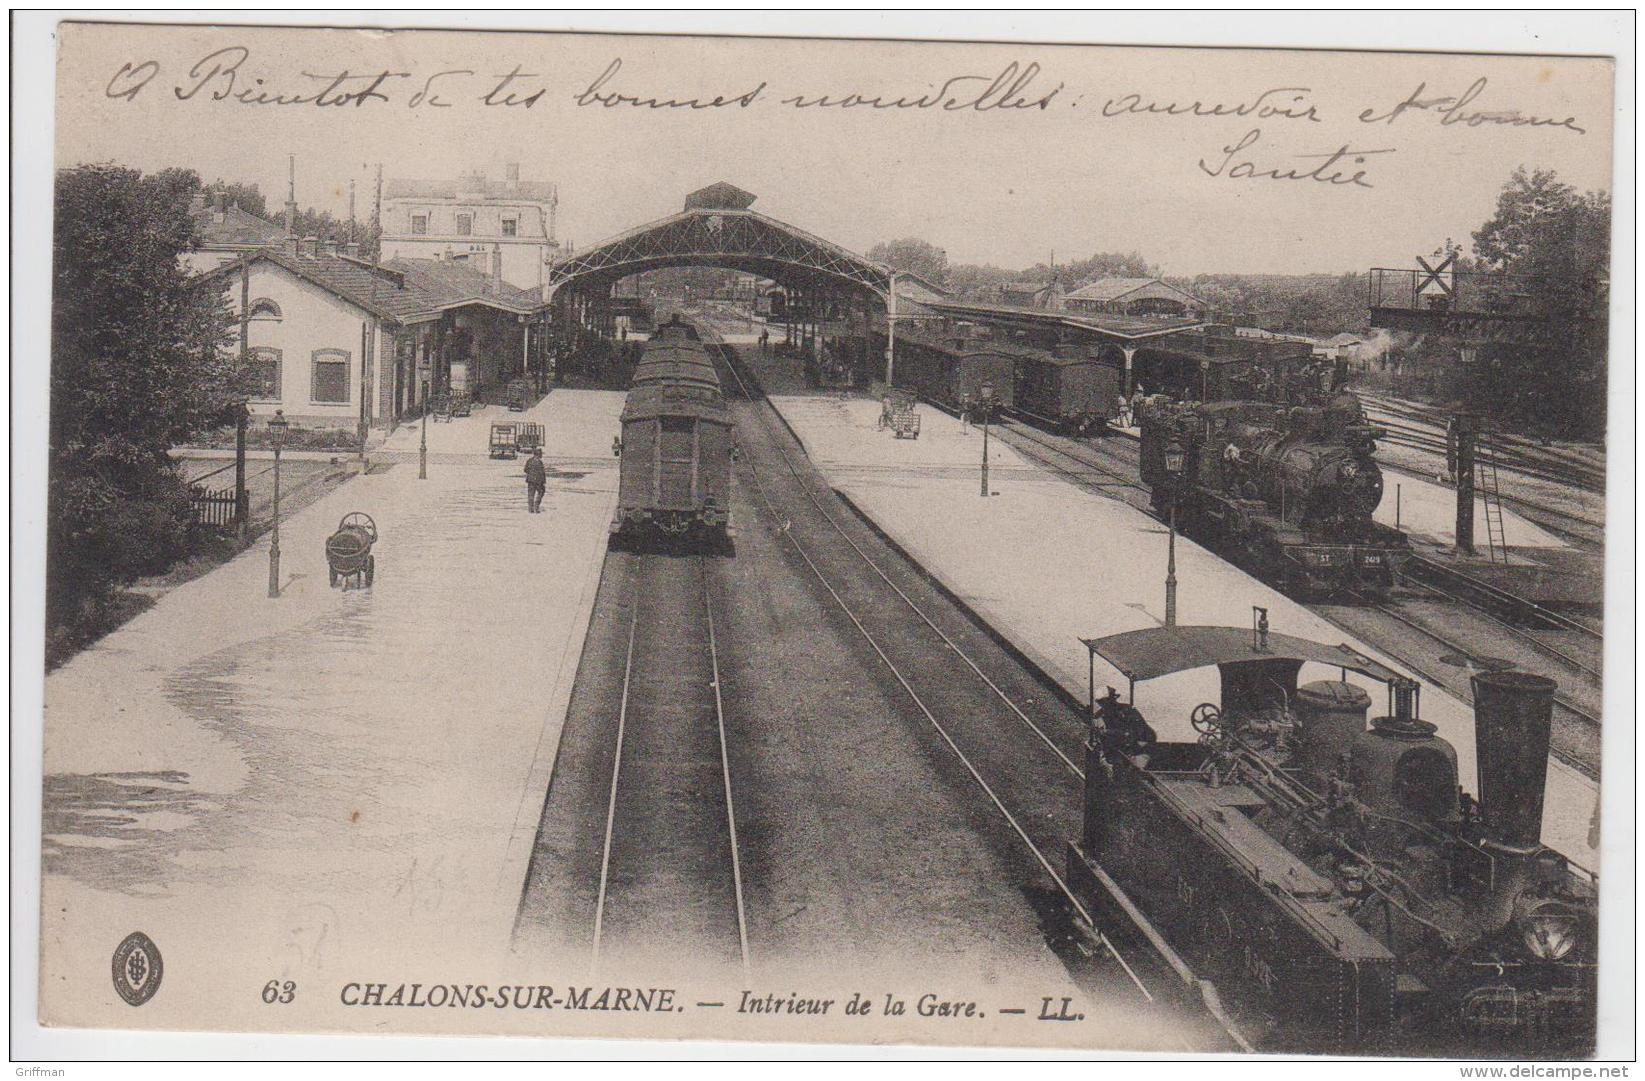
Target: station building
[
  {"x": 341, "y": 344},
  {"x": 472, "y": 217}
]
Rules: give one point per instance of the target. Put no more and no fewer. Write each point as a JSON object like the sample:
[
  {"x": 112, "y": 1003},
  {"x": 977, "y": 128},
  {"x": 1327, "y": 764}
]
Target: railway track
[
  {"x": 1048, "y": 452},
  {"x": 930, "y": 672},
  {"x": 670, "y": 855},
  {"x": 1499, "y": 606},
  {"x": 1419, "y": 436},
  {"x": 1572, "y": 712}
]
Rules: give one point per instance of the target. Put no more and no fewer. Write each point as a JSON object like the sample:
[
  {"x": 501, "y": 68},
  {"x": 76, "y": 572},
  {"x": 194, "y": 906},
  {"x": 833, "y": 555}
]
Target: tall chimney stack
[{"x": 291, "y": 197}]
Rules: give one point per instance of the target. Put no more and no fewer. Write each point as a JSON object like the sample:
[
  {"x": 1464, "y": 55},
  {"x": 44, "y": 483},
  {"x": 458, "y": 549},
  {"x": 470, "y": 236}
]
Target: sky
[{"x": 1103, "y": 165}]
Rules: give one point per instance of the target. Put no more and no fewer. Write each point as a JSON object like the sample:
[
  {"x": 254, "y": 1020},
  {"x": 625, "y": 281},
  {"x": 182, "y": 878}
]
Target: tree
[
  {"x": 915, "y": 256},
  {"x": 1552, "y": 243},
  {"x": 245, "y": 196},
  {"x": 140, "y": 361}
]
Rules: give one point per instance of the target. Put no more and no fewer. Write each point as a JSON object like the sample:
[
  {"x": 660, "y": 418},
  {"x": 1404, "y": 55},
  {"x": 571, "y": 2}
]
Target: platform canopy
[
  {"x": 1160, "y": 651},
  {"x": 717, "y": 229}
]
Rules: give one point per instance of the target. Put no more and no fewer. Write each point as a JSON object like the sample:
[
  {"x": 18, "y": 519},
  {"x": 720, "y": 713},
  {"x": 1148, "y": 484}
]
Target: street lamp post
[
  {"x": 277, "y": 427},
  {"x": 1173, "y": 467},
  {"x": 985, "y": 401},
  {"x": 422, "y": 447}
]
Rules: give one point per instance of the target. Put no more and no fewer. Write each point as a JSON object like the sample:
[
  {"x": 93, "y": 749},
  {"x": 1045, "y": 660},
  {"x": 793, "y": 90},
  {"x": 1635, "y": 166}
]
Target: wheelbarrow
[{"x": 348, "y": 551}]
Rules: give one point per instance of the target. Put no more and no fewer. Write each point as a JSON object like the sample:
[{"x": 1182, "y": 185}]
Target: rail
[
  {"x": 611, "y": 816},
  {"x": 942, "y": 731}
]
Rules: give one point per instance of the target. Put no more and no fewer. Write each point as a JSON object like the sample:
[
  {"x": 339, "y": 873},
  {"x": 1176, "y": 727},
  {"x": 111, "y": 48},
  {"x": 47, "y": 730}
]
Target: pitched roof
[
  {"x": 1119, "y": 326},
  {"x": 450, "y": 283},
  {"x": 1105, "y": 289},
  {"x": 231, "y": 227},
  {"x": 378, "y": 290},
  {"x": 720, "y": 196}
]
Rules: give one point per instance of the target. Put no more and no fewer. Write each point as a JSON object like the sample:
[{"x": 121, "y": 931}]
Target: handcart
[{"x": 348, "y": 551}]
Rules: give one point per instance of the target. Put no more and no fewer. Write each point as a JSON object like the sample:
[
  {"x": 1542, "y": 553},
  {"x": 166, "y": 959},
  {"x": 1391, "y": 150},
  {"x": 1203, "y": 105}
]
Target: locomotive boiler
[
  {"x": 1288, "y": 490},
  {"x": 1330, "y": 883}
]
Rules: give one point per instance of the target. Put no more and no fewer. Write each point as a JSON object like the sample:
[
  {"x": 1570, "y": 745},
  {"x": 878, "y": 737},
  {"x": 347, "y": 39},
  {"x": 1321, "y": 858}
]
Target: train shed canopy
[{"x": 717, "y": 229}]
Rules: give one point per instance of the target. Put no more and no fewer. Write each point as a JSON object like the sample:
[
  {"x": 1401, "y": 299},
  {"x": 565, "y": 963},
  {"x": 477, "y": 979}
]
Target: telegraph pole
[{"x": 891, "y": 333}]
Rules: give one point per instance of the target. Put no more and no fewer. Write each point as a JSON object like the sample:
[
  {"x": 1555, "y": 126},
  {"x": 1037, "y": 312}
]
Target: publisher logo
[{"x": 137, "y": 968}]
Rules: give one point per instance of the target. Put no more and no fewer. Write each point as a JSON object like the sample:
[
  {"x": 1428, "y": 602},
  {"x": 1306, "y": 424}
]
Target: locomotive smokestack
[{"x": 1513, "y": 720}]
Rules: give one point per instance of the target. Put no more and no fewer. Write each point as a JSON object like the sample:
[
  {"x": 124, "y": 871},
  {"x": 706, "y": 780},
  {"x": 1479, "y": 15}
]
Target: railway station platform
[
  {"x": 331, "y": 785},
  {"x": 1045, "y": 564}
]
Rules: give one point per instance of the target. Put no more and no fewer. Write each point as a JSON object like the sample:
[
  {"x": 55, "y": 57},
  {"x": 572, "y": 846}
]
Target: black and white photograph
[{"x": 934, "y": 540}]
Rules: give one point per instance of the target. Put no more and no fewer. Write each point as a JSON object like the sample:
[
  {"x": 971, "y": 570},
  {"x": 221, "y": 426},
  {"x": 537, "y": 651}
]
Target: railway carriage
[
  {"x": 953, "y": 375},
  {"x": 676, "y": 362},
  {"x": 1073, "y": 393},
  {"x": 675, "y": 450}
]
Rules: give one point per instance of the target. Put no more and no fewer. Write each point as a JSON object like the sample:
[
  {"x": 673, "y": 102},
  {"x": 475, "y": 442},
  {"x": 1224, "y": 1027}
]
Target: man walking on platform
[{"x": 536, "y": 481}]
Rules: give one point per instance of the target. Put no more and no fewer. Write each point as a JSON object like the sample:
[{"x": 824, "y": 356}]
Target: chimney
[
  {"x": 294, "y": 244},
  {"x": 329, "y": 245},
  {"x": 197, "y": 202},
  {"x": 1513, "y": 720},
  {"x": 512, "y": 172},
  {"x": 352, "y": 248},
  {"x": 1513, "y": 717},
  {"x": 291, "y": 198},
  {"x": 496, "y": 268},
  {"x": 221, "y": 207},
  {"x": 311, "y": 245}
]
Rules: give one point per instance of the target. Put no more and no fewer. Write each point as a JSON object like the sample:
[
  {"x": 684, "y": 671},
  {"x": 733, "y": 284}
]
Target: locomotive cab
[{"x": 1382, "y": 907}]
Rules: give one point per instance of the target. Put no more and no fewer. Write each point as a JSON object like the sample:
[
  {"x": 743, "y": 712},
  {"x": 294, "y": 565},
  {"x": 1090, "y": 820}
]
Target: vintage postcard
[{"x": 830, "y": 540}]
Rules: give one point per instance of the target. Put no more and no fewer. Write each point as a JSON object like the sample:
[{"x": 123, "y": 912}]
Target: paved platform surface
[
  {"x": 332, "y": 785},
  {"x": 1047, "y": 564},
  {"x": 1428, "y": 513}
]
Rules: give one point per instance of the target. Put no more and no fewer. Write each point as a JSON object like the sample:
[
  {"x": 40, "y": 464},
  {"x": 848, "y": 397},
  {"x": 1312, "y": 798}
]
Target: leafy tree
[
  {"x": 915, "y": 256},
  {"x": 245, "y": 196},
  {"x": 1552, "y": 244},
  {"x": 140, "y": 361}
]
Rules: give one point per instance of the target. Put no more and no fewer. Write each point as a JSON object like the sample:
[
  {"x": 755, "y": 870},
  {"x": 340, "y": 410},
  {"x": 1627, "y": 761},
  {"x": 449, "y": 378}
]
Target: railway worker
[
  {"x": 1123, "y": 726},
  {"x": 887, "y": 414},
  {"x": 536, "y": 481}
]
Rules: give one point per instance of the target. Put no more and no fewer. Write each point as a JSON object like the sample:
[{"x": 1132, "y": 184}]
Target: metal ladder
[{"x": 1495, "y": 534}]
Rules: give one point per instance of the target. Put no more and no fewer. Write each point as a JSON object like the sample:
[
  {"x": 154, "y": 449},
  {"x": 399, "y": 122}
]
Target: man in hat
[{"x": 536, "y": 481}]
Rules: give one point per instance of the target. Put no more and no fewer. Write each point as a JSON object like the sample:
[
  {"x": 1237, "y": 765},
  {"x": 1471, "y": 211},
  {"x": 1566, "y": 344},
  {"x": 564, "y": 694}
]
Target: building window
[
  {"x": 264, "y": 308},
  {"x": 330, "y": 380},
  {"x": 419, "y": 224},
  {"x": 511, "y": 226},
  {"x": 265, "y": 374},
  {"x": 465, "y": 225}
]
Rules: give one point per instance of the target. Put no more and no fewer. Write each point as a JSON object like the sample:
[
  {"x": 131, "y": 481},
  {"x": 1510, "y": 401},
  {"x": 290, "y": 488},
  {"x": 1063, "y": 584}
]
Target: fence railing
[{"x": 213, "y": 508}]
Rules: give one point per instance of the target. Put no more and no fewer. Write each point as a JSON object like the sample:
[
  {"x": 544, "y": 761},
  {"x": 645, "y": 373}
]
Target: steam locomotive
[
  {"x": 1287, "y": 490},
  {"x": 1331, "y": 888}
]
